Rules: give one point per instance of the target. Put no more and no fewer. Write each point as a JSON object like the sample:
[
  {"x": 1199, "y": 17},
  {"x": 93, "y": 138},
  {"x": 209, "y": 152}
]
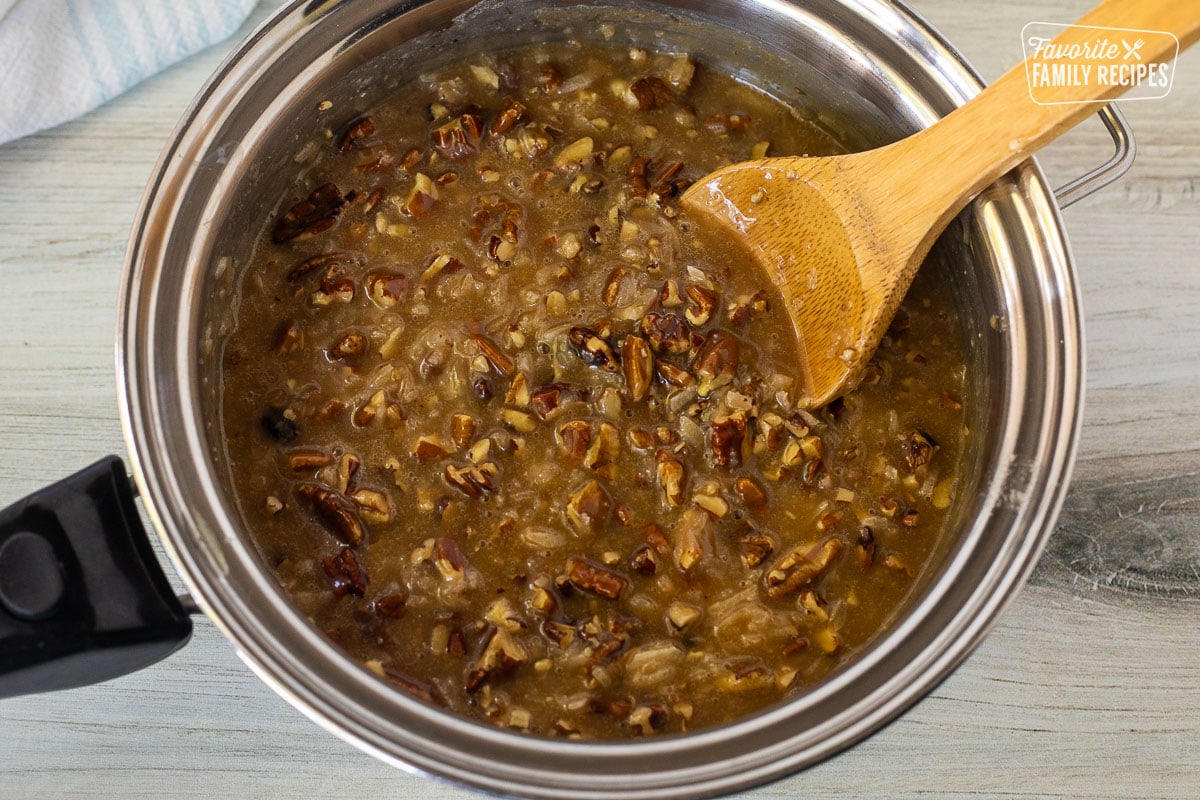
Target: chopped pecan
[
  {"x": 593, "y": 350},
  {"x": 308, "y": 460},
  {"x": 745, "y": 310},
  {"x": 716, "y": 361},
  {"x": 672, "y": 375},
  {"x": 695, "y": 538},
  {"x": 702, "y": 304},
  {"x": 649, "y": 92},
  {"x": 290, "y": 338},
  {"x": 638, "y": 366},
  {"x": 573, "y": 438},
  {"x": 800, "y": 566},
  {"x": 419, "y": 689},
  {"x": 430, "y": 448},
  {"x": 546, "y": 400},
  {"x": 588, "y": 508},
  {"x": 352, "y": 345},
  {"x": 644, "y": 560},
  {"x": 612, "y": 286},
  {"x": 337, "y": 258},
  {"x": 473, "y": 480},
  {"x": 347, "y": 576},
  {"x": 335, "y": 511},
  {"x": 501, "y": 656},
  {"x": 549, "y": 78},
  {"x": 500, "y": 360},
  {"x": 385, "y": 287},
  {"x": 511, "y": 112},
  {"x": 448, "y": 558},
  {"x": 756, "y": 547},
  {"x": 588, "y": 576},
  {"x": 670, "y": 477},
  {"x": 919, "y": 448},
  {"x": 726, "y": 436},
  {"x": 315, "y": 214},
  {"x": 606, "y": 446},
  {"x": 392, "y": 605},
  {"x": 422, "y": 197},
  {"x": 462, "y": 429},
  {"x": 459, "y": 137},
  {"x": 750, "y": 492},
  {"x": 356, "y": 134},
  {"x": 666, "y": 332}
]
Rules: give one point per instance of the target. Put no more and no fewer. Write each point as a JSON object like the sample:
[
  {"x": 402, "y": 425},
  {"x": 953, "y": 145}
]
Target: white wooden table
[{"x": 1088, "y": 687}]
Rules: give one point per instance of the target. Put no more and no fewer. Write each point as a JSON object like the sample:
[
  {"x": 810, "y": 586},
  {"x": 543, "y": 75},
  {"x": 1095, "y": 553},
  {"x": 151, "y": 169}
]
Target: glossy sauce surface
[{"x": 522, "y": 441}]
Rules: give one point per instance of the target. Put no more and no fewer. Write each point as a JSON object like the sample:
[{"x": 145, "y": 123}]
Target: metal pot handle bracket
[
  {"x": 1122, "y": 159},
  {"x": 82, "y": 597}
]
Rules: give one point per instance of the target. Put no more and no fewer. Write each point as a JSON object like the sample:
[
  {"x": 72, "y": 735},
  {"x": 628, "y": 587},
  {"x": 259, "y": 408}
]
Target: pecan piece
[
  {"x": 919, "y": 448},
  {"x": 315, "y": 214},
  {"x": 726, "y": 436},
  {"x": 500, "y": 360},
  {"x": 716, "y": 362},
  {"x": 335, "y": 511},
  {"x": 588, "y": 508},
  {"x": 449, "y": 559},
  {"x": 386, "y": 288},
  {"x": 549, "y": 78},
  {"x": 612, "y": 286},
  {"x": 501, "y": 656},
  {"x": 548, "y": 399},
  {"x": 670, "y": 477},
  {"x": 666, "y": 332},
  {"x": 800, "y": 566},
  {"x": 473, "y": 480},
  {"x": 351, "y": 345},
  {"x": 638, "y": 365},
  {"x": 672, "y": 375},
  {"x": 392, "y": 605},
  {"x": 419, "y": 689},
  {"x": 756, "y": 547},
  {"x": 602, "y": 454},
  {"x": 750, "y": 492},
  {"x": 573, "y": 439},
  {"x": 511, "y": 112},
  {"x": 308, "y": 460},
  {"x": 588, "y": 576},
  {"x": 430, "y": 448},
  {"x": 593, "y": 350},
  {"x": 695, "y": 538},
  {"x": 356, "y": 134},
  {"x": 702, "y": 304},
  {"x": 347, "y": 576},
  {"x": 644, "y": 560},
  {"x": 337, "y": 258},
  {"x": 459, "y": 137},
  {"x": 462, "y": 429},
  {"x": 649, "y": 92},
  {"x": 422, "y": 197}
]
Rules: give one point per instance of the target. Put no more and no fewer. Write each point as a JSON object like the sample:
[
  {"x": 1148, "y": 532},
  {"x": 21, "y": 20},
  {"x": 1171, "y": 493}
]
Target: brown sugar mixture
[{"x": 523, "y": 443}]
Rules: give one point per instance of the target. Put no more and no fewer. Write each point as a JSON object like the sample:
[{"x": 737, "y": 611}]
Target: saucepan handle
[
  {"x": 1109, "y": 171},
  {"x": 82, "y": 597}
]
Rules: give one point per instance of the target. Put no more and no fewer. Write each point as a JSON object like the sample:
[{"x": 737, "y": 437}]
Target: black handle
[{"x": 82, "y": 597}]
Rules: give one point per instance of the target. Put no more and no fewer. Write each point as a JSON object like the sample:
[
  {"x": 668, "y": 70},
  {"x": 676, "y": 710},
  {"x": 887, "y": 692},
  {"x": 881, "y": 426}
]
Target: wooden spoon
[{"x": 843, "y": 236}]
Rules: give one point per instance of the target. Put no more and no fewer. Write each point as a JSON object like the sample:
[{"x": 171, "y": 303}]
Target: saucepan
[{"x": 82, "y": 597}]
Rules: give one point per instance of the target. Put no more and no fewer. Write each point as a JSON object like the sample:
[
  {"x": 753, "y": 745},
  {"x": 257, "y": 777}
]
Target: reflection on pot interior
[{"x": 523, "y": 442}]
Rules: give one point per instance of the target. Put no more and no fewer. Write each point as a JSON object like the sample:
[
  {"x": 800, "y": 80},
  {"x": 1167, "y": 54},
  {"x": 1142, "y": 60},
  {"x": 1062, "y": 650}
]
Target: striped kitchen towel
[{"x": 62, "y": 58}]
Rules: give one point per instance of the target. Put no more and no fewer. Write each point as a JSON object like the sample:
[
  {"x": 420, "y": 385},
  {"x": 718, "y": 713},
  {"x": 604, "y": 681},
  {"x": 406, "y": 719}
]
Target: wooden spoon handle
[{"x": 980, "y": 141}]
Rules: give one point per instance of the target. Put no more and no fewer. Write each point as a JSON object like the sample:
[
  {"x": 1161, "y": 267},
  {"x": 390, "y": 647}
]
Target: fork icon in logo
[{"x": 1131, "y": 50}]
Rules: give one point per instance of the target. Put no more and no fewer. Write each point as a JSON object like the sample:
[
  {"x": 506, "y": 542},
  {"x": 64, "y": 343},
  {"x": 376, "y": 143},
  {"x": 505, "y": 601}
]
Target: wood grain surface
[{"x": 1089, "y": 686}]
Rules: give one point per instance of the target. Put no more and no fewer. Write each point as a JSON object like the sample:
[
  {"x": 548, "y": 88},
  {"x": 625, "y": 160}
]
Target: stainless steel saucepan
[{"x": 81, "y": 597}]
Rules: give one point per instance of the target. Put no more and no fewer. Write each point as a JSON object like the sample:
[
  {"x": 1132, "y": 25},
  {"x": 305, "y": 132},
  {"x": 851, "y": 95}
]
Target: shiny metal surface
[
  {"x": 1122, "y": 159},
  {"x": 869, "y": 63}
]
